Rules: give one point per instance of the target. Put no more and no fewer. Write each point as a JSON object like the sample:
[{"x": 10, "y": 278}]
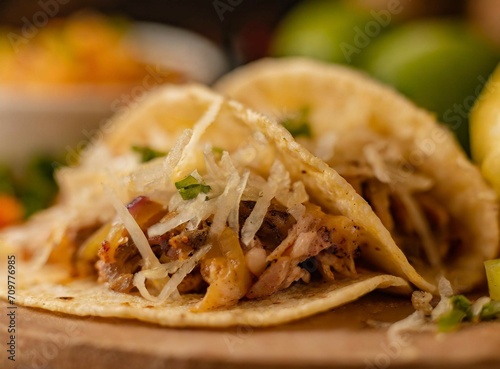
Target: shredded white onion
[
  {"x": 187, "y": 211},
  {"x": 256, "y": 217},
  {"x": 233, "y": 219},
  {"x": 415, "y": 322},
  {"x": 135, "y": 232},
  {"x": 226, "y": 202},
  {"x": 189, "y": 154},
  {"x": 444, "y": 306},
  {"x": 478, "y": 306},
  {"x": 170, "y": 287}
]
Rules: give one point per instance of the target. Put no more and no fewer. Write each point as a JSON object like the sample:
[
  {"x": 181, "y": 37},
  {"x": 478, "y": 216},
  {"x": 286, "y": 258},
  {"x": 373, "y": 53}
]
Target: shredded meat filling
[
  {"x": 179, "y": 244},
  {"x": 394, "y": 215},
  {"x": 333, "y": 240},
  {"x": 274, "y": 257}
]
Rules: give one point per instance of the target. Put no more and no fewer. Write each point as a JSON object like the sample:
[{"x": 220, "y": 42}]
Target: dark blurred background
[{"x": 243, "y": 27}]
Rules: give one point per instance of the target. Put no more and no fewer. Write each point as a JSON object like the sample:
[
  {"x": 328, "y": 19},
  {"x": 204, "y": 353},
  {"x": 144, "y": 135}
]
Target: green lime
[
  {"x": 326, "y": 30},
  {"x": 440, "y": 64}
]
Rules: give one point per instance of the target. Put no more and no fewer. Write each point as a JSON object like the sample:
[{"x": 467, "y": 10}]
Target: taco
[
  {"x": 439, "y": 210},
  {"x": 191, "y": 210}
]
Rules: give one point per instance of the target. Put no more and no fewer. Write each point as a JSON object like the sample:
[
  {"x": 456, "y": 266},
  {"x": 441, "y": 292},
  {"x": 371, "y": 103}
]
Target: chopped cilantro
[
  {"x": 491, "y": 311},
  {"x": 147, "y": 153},
  {"x": 461, "y": 311},
  {"x": 190, "y": 187}
]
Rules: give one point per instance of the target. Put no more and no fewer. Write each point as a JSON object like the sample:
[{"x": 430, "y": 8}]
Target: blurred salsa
[{"x": 85, "y": 48}]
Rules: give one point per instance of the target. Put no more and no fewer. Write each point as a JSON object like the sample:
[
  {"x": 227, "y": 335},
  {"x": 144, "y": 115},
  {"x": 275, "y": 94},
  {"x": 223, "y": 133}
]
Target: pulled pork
[{"x": 273, "y": 259}]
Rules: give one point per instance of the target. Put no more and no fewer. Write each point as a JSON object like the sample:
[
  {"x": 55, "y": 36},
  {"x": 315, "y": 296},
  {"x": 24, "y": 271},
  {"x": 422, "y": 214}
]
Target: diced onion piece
[
  {"x": 493, "y": 275},
  {"x": 444, "y": 287},
  {"x": 135, "y": 232}
]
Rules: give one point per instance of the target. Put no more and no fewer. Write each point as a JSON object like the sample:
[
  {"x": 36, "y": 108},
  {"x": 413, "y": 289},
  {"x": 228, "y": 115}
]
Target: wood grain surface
[{"x": 340, "y": 338}]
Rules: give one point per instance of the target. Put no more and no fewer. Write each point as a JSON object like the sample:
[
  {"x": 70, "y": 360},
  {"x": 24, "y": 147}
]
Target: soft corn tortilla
[
  {"x": 87, "y": 298},
  {"x": 160, "y": 119},
  {"x": 343, "y": 100}
]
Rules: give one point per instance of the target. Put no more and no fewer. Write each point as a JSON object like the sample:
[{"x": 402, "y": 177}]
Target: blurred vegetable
[
  {"x": 28, "y": 192},
  {"x": 490, "y": 311},
  {"x": 493, "y": 275},
  {"x": 298, "y": 125},
  {"x": 322, "y": 29},
  {"x": 440, "y": 64},
  {"x": 37, "y": 188},
  {"x": 11, "y": 210},
  {"x": 461, "y": 309},
  {"x": 485, "y": 130},
  {"x": 147, "y": 153}
]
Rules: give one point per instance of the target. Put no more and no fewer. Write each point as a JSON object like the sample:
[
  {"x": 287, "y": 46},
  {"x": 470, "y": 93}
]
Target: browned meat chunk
[{"x": 275, "y": 226}]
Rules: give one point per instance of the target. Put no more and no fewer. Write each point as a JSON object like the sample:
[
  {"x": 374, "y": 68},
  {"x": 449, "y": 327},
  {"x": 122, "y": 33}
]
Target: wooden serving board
[{"x": 340, "y": 338}]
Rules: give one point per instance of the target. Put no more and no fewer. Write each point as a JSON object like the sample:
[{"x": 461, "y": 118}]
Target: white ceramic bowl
[{"x": 59, "y": 119}]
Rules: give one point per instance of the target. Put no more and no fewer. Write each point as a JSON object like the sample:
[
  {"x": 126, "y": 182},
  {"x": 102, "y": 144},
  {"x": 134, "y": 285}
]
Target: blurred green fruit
[
  {"x": 325, "y": 30},
  {"x": 440, "y": 64}
]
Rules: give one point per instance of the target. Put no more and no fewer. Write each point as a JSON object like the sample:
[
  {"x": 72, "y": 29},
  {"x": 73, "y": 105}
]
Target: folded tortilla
[
  {"x": 188, "y": 190},
  {"x": 417, "y": 179}
]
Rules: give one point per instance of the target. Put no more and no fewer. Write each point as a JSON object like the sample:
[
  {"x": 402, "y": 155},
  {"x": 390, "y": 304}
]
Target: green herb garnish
[
  {"x": 147, "y": 153},
  {"x": 299, "y": 124},
  {"x": 461, "y": 311},
  {"x": 490, "y": 311},
  {"x": 190, "y": 187}
]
